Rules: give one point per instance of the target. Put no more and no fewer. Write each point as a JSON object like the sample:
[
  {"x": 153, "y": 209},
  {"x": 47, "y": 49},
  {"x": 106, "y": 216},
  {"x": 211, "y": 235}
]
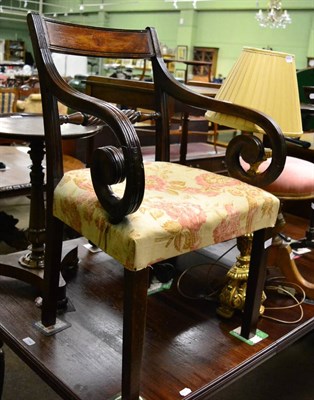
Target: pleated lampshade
[{"x": 266, "y": 81}]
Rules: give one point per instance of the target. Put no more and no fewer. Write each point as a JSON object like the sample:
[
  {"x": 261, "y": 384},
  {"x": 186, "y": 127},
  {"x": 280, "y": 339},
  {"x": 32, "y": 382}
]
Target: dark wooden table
[
  {"x": 187, "y": 345},
  {"x": 29, "y": 128},
  {"x": 14, "y": 178},
  {"x": 305, "y": 153}
]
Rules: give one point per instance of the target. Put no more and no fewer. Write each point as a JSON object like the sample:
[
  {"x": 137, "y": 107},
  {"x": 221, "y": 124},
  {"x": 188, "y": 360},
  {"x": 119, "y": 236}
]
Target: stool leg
[
  {"x": 280, "y": 257},
  {"x": 308, "y": 241}
]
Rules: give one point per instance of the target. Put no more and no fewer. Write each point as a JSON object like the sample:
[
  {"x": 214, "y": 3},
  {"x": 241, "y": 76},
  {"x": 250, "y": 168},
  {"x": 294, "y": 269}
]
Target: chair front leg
[
  {"x": 255, "y": 285},
  {"x": 134, "y": 323},
  {"x": 52, "y": 272}
]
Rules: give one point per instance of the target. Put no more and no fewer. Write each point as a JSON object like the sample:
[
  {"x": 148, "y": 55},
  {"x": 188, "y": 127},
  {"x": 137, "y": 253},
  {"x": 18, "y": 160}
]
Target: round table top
[{"x": 31, "y": 126}]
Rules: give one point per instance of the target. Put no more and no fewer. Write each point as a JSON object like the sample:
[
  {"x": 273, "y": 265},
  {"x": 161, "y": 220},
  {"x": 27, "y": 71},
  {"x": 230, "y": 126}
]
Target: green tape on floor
[{"x": 260, "y": 335}]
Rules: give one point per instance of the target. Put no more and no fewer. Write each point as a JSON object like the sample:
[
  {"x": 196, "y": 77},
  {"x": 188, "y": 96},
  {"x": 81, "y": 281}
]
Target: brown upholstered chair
[
  {"x": 8, "y": 99},
  {"x": 140, "y": 213}
]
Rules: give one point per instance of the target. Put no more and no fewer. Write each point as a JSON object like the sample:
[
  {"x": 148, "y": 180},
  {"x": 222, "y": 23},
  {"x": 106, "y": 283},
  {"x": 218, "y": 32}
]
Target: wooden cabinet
[
  {"x": 14, "y": 50},
  {"x": 205, "y": 54}
]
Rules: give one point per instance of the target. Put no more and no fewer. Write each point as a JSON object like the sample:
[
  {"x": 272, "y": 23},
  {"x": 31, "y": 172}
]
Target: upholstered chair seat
[{"x": 183, "y": 209}]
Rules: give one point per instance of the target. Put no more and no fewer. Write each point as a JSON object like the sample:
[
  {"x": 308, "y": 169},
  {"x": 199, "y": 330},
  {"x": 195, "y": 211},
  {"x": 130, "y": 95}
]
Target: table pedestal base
[{"x": 11, "y": 266}]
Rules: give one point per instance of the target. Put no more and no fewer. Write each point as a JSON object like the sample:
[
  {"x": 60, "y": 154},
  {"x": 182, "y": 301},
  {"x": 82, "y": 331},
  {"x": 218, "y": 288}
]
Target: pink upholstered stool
[{"x": 295, "y": 182}]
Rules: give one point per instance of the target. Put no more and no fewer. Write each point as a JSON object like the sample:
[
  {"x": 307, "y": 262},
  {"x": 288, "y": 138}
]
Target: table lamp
[{"x": 266, "y": 81}]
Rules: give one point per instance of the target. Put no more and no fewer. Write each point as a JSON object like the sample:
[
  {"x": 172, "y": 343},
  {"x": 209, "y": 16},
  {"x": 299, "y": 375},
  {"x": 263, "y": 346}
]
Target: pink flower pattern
[
  {"x": 183, "y": 209},
  {"x": 184, "y": 228}
]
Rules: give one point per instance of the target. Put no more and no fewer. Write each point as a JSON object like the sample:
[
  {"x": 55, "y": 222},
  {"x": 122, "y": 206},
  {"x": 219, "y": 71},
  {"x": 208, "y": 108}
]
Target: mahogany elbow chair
[{"x": 140, "y": 213}]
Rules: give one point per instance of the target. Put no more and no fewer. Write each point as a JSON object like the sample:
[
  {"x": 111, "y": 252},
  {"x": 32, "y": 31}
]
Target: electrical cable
[
  {"x": 283, "y": 288},
  {"x": 211, "y": 295}
]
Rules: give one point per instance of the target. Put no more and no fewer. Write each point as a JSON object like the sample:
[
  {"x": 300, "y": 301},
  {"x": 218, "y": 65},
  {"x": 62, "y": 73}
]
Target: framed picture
[
  {"x": 180, "y": 74},
  {"x": 182, "y": 52}
]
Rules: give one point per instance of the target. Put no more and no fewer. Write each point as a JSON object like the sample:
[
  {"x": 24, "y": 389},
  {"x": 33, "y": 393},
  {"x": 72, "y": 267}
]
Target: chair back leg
[{"x": 255, "y": 285}]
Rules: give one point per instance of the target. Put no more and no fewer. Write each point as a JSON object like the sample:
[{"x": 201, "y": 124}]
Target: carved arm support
[{"x": 248, "y": 147}]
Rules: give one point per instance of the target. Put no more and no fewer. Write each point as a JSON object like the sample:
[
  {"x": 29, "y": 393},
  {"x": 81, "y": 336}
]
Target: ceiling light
[{"x": 274, "y": 17}]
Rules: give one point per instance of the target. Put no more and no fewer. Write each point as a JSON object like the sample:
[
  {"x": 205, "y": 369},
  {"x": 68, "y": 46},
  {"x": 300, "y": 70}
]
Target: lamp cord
[
  {"x": 284, "y": 289},
  {"x": 211, "y": 295},
  {"x": 280, "y": 288}
]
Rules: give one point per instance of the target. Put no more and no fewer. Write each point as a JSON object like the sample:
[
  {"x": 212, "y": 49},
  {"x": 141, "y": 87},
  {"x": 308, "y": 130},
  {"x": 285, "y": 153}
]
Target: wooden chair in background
[{"x": 187, "y": 146}]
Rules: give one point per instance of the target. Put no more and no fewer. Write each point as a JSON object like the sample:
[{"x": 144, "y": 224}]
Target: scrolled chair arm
[
  {"x": 249, "y": 148},
  {"x": 110, "y": 164}
]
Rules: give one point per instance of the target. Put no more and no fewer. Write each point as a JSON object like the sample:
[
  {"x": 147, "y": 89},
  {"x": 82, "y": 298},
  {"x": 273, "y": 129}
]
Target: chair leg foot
[
  {"x": 119, "y": 397},
  {"x": 52, "y": 329}
]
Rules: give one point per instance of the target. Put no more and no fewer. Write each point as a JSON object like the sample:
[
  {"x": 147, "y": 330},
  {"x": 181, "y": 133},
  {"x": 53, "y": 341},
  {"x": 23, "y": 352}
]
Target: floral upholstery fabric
[{"x": 183, "y": 209}]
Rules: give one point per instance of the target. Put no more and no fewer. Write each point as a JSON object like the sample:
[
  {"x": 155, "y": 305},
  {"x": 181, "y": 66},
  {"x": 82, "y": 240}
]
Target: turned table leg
[{"x": 37, "y": 231}]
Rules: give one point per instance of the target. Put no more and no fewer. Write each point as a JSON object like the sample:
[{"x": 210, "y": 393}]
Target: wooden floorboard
[{"x": 187, "y": 345}]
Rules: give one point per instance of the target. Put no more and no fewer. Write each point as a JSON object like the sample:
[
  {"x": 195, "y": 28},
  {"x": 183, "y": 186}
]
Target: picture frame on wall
[
  {"x": 180, "y": 74},
  {"x": 182, "y": 52}
]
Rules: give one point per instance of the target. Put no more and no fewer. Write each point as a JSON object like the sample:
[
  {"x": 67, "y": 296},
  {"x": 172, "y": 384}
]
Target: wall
[
  {"x": 228, "y": 25},
  {"x": 166, "y": 24},
  {"x": 231, "y": 31}
]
